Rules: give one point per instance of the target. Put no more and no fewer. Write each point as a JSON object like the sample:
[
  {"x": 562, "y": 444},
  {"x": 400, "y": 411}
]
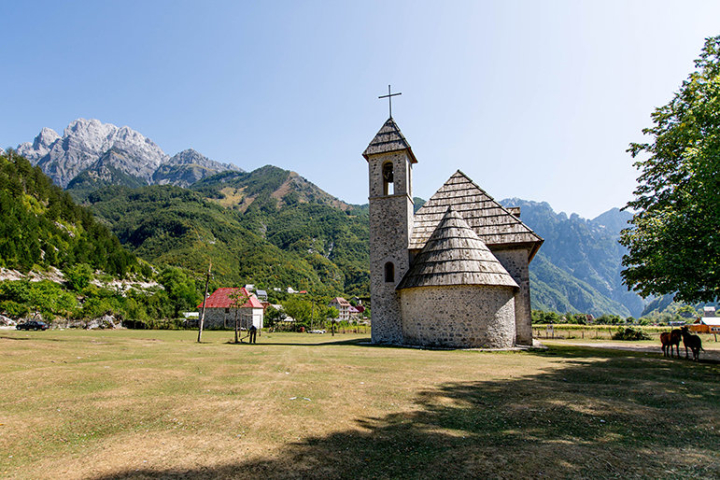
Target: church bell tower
[{"x": 390, "y": 160}]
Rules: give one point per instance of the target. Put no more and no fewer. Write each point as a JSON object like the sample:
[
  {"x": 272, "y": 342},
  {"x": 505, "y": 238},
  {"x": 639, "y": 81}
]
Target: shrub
[
  {"x": 13, "y": 309},
  {"x": 631, "y": 334}
]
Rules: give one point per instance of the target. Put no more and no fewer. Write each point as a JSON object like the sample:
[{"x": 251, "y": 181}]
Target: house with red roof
[{"x": 221, "y": 309}]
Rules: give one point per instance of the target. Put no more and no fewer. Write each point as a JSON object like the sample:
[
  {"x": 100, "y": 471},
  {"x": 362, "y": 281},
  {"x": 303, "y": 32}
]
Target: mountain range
[
  {"x": 94, "y": 154},
  {"x": 578, "y": 267},
  {"x": 279, "y": 227}
]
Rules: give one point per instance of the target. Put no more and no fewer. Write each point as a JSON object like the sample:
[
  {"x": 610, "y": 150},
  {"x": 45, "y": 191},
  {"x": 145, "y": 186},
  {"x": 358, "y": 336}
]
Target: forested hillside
[
  {"x": 41, "y": 228},
  {"x": 271, "y": 186},
  {"x": 306, "y": 246},
  {"x": 296, "y": 216},
  {"x": 41, "y": 225},
  {"x": 578, "y": 267}
]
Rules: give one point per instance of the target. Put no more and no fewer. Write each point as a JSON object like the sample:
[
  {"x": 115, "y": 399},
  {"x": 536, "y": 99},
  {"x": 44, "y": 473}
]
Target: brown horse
[
  {"x": 668, "y": 339},
  {"x": 692, "y": 341}
]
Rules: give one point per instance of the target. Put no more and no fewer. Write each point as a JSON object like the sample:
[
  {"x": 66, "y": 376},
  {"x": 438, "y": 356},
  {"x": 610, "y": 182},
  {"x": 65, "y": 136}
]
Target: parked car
[{"x": 32, "y": 325}]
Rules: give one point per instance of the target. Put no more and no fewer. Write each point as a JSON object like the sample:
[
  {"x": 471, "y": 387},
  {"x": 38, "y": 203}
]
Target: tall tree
[
  {"x": 674, "y": 241},
  {"x": 299, "y": 309}
]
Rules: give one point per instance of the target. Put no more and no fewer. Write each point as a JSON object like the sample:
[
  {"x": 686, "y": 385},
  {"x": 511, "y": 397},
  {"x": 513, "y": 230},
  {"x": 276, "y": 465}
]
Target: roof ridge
[
  {"x": 453, "y": 234},
  {"x": 478, "y": 207},
  {"x": 389, "y": 139}
]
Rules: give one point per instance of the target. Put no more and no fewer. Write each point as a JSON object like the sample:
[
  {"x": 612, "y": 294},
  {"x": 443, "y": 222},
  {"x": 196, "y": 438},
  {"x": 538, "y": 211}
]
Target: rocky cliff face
[
  {"x": 187, "y": 167},
  {"x": 586, "y": 250},
  {"x": 40, "y": 146},
  {"x": 90, "y": 146}
]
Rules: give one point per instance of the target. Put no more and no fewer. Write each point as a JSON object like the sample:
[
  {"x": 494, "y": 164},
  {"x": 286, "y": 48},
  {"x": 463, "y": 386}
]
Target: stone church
[{"x": 453, "y": 274}]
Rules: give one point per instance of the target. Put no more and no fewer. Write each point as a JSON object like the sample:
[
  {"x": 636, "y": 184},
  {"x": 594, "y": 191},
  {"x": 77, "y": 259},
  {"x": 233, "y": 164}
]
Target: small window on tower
[
  {"x": 388, "y": 174},
  {"x": 389, "y": 272}
]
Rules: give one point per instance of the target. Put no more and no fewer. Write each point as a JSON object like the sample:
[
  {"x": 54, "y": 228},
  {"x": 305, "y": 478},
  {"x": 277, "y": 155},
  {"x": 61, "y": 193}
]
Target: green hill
[
  {"x": 40, "y": 225},
  {"x": 297, "y": 245},
  {"x": 296, "y": 216},
  {"x": 268, "y": 185}
]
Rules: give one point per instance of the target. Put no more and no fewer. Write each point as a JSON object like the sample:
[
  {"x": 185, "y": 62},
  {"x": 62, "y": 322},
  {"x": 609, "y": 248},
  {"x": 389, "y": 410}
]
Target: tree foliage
[
  {"x": 299, "y": 309},
  {"x": 181, "y": 289},
  {"x": 40, "y": 225},
  {"x": 674, "y": 241},
  {"x": 307, "y": 246},
  {"x": 78, "y": 276}
]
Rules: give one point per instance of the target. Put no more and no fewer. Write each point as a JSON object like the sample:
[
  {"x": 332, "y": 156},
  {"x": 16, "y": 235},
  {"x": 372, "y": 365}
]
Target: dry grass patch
[{"x": 155, "y": 404}]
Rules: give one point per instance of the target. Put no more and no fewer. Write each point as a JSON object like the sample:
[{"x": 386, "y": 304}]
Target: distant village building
[
  {"x": 454, "y": 274},
  {"x": 343, "y": 307},
  {"x": 708, "y": 323},
  {"x": 221, "y": 309}
]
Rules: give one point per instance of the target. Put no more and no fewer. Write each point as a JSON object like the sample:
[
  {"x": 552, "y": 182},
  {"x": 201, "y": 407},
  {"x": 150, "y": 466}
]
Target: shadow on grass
[
  {"x": 626, "y": 415},
  {"x": 354, "y": 341},
  {"x": 619, "y": 350},
  {"x": 42, "y": 339}
]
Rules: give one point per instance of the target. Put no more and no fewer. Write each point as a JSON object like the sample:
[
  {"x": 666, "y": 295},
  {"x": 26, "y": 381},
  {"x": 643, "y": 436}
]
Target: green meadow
[{"x": 156, "y": 404}]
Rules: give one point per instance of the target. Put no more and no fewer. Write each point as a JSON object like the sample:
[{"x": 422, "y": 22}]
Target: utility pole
[{"x": 202, "y": 315}]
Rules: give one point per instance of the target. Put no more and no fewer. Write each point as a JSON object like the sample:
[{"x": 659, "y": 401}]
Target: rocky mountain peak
[
  {"x": 193, "y": 157},
  {"x": 84, "y": 142},
  {"x": 40, "y": 146},
  {"x": 614, "y": 219},
  {"x": 46, "y": 137},
  {"x": 89, "y": 145}
]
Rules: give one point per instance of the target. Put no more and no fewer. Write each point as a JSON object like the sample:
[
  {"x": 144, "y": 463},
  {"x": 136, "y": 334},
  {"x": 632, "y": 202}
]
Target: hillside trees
[
  {"x": 307, "y": 246},
  {"x": 334, "y": 243},
  {"x": 41, "y": 225},
  {"x": 181, "y": 289},
  {"x": 674, "y": 241}
]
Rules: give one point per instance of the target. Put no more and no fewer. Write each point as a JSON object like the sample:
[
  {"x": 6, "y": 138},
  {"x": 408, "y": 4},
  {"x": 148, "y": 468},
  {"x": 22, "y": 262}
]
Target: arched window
[
  {"x": 389, "y": 272},
  {"x": 388, "y": 174}
]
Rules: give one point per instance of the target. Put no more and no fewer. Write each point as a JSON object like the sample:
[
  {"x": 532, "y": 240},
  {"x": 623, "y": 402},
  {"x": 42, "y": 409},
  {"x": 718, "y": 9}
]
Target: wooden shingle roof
[
  {"x": 494, "y": 224},
  {"x": 454, "y": 255},
  {"x": 389, "y": 139}
]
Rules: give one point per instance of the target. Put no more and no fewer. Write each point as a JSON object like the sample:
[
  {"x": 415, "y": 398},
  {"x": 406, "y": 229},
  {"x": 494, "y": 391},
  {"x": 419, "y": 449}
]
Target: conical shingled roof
[
  {"x": 494, "y": 224},
  {"x": 454, "y": 255},
  {"x": 389, "y": 139}
]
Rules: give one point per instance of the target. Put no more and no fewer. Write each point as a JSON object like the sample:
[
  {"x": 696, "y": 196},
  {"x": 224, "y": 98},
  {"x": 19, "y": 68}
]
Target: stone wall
[
  {"x": 468, "y": 316},
  {"x": 403, "y": 173},
  {"x": 218, "y": 318},
  {"x": 391, "y": 218},
  {"x": 515, "y": 261}
]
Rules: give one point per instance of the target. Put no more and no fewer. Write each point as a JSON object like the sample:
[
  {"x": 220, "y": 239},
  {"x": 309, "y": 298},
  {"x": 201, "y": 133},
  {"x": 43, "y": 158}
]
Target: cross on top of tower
[{"x": 389, "y": 97}]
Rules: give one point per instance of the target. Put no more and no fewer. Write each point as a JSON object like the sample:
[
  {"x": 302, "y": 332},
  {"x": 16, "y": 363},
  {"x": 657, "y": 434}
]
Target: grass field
[{"x": 155, "y": 404}]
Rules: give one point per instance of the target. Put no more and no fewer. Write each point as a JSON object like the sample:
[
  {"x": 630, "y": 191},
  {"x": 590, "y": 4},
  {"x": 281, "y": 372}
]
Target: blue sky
[{"x": 531, "y": 99}]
